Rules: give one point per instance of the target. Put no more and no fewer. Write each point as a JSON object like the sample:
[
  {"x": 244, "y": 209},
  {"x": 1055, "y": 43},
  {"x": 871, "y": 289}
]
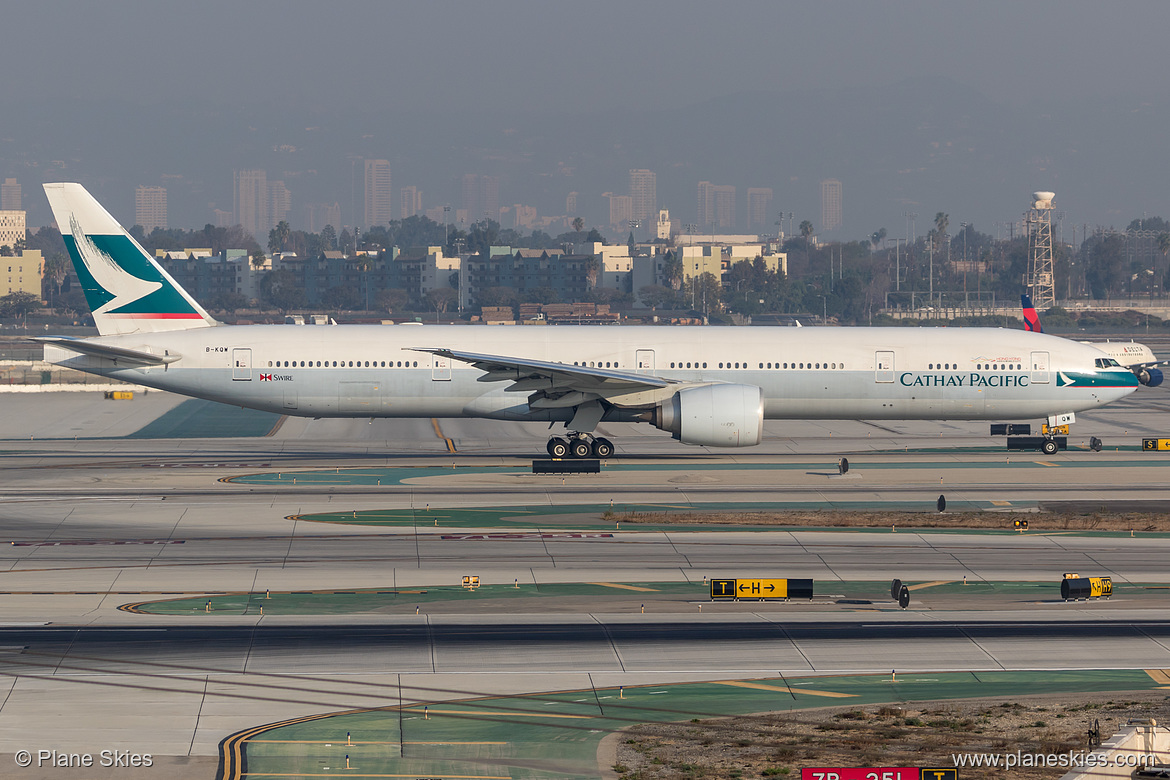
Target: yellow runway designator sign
[{"x": 1156, "y": 444}]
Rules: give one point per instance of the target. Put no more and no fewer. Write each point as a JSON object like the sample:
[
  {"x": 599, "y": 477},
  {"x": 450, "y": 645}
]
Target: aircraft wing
[
  {"x": 536, "y": 375},
  {"x": 1147, "y": 364},
  {"x": 87, "y": 347}
]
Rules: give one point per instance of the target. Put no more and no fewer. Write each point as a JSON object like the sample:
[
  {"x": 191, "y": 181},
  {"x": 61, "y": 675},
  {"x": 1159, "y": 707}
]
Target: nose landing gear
[{"x": 579, "y": 445}]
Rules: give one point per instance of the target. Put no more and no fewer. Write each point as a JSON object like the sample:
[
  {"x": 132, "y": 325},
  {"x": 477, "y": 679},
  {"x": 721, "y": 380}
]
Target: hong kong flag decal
[{"x": 266, "y": 377}]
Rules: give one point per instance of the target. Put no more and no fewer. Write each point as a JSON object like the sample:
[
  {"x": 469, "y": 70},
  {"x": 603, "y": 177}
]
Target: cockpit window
[{"x": 1107, "y": 363}]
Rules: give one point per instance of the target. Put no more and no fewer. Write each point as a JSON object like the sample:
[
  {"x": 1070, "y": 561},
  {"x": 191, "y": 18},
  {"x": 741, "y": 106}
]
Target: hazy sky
[
  {"x": 560, "y": 54},
  {"x": 279, "y": 61}
]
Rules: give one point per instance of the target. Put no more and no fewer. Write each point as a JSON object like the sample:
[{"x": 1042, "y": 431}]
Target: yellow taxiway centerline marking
[
  {"x": 1159, "y": 676},
  {"x": 1001, "y": 503},
  {"x": 786, "y": 689},
  {"x": 623, "y": 587},
  {"x": 439, "y": 432},
  {"x": 922, "y": 585},
  {"x": 355, "y": 774},
  {"x": 338, "y": 743},
  {"x": 489, "y": 713},
  {"x": 1046, "y": 463}
]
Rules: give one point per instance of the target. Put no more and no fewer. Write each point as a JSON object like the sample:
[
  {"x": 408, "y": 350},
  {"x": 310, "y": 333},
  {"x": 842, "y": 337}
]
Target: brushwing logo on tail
[{"x": 111, "y": 277}]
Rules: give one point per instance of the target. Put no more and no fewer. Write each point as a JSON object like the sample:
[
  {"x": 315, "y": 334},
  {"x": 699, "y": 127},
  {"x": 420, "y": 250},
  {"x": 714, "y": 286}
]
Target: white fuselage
[
  {"x": 804, "y": 373},
  {"x": 1127, "y": 353}
]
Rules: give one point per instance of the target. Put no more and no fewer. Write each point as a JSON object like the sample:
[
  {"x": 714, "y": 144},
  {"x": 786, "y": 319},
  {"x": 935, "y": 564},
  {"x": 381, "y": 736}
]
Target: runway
[{"x": 103, "y": 520}]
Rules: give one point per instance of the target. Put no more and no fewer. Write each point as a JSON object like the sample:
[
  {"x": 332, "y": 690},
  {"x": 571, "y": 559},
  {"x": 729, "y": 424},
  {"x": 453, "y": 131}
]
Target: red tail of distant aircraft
[{"x": 1031, "y": 318}]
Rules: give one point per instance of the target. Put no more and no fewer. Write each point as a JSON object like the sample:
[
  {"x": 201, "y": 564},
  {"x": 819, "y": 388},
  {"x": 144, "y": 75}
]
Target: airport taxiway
[{"x": 103, "y": 520}]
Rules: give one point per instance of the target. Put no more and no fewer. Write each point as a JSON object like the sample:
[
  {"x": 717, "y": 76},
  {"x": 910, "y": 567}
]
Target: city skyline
[{"x": 907, "y": 122}]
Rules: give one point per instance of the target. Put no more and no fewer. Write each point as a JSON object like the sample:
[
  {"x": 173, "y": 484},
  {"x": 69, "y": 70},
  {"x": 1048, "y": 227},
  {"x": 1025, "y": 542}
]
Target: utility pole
[
  {"x": 966, "y": 295},
  {"x": 897, "y": 264},
  {"x": 930, "y": 251}
]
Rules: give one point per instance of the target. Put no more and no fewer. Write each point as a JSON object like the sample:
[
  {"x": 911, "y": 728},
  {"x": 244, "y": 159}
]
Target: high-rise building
[
  {"x": 481, "y": 197},
  {"x": 831, "y": 212},
  {"x": 379, "y": 194},
  {"x": 318, "y": 215},
  {"x": 251, "y": 202},
  {"x": 279, "y": 203},
  {"x": 724, "y": 206},
  {"x": 571, "y": 204},
  {"x": 411, "y": 202},
  {"x": 716, "y": 206},
  {"x": 150, "y": 208},
  {"x": 10, "y": 195},
  {"x": 759, "y": 207},
  {"x": 332, "y": 215},
  {"x": 621, "y": 210},
  {"x": 222, "y": 217},
  {"x": 643, "y": 192},
  {"x": 489, "y": 198},
  {"x": 12, "y": 227},
  {"x": 706, "y": 210},
  {"x": 471, "y": 195}
]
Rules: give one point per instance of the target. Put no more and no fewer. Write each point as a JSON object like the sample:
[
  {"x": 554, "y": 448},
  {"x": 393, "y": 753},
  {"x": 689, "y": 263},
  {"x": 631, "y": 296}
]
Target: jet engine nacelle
[
  {"x": 714, "y": 415},
  {"x": 1151, "y": 377}
]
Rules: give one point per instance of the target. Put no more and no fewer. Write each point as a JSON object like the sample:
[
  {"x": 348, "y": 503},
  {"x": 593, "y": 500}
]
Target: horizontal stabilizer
[{"x": 87, "y": 347}]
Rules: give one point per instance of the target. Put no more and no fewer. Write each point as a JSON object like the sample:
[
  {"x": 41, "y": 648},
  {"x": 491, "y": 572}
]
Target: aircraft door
[
  {"x": 1040, "y": 368},
  {"x": 241, "y": 365},
  {"x": 883, "y": 367},
  {"x": 440, "y": 368},
  {"x": 644, "y": 361}
]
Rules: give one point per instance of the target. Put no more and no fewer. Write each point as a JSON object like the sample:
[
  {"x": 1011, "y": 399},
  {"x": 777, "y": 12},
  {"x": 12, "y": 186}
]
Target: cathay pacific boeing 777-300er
[{"x": 710, "y": 386}]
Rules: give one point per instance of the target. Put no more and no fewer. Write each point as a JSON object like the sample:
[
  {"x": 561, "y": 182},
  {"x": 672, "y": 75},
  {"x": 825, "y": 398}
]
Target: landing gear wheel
[
  {"x": 1049, "y": 447},
  {"x": 558, "y": 447},
  {"x": 580, "y": 448},
  {"x": 602, "y": 448}
]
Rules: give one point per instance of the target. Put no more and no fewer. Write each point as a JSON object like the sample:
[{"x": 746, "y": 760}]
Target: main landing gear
[{"x": 579, "y": 445}]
